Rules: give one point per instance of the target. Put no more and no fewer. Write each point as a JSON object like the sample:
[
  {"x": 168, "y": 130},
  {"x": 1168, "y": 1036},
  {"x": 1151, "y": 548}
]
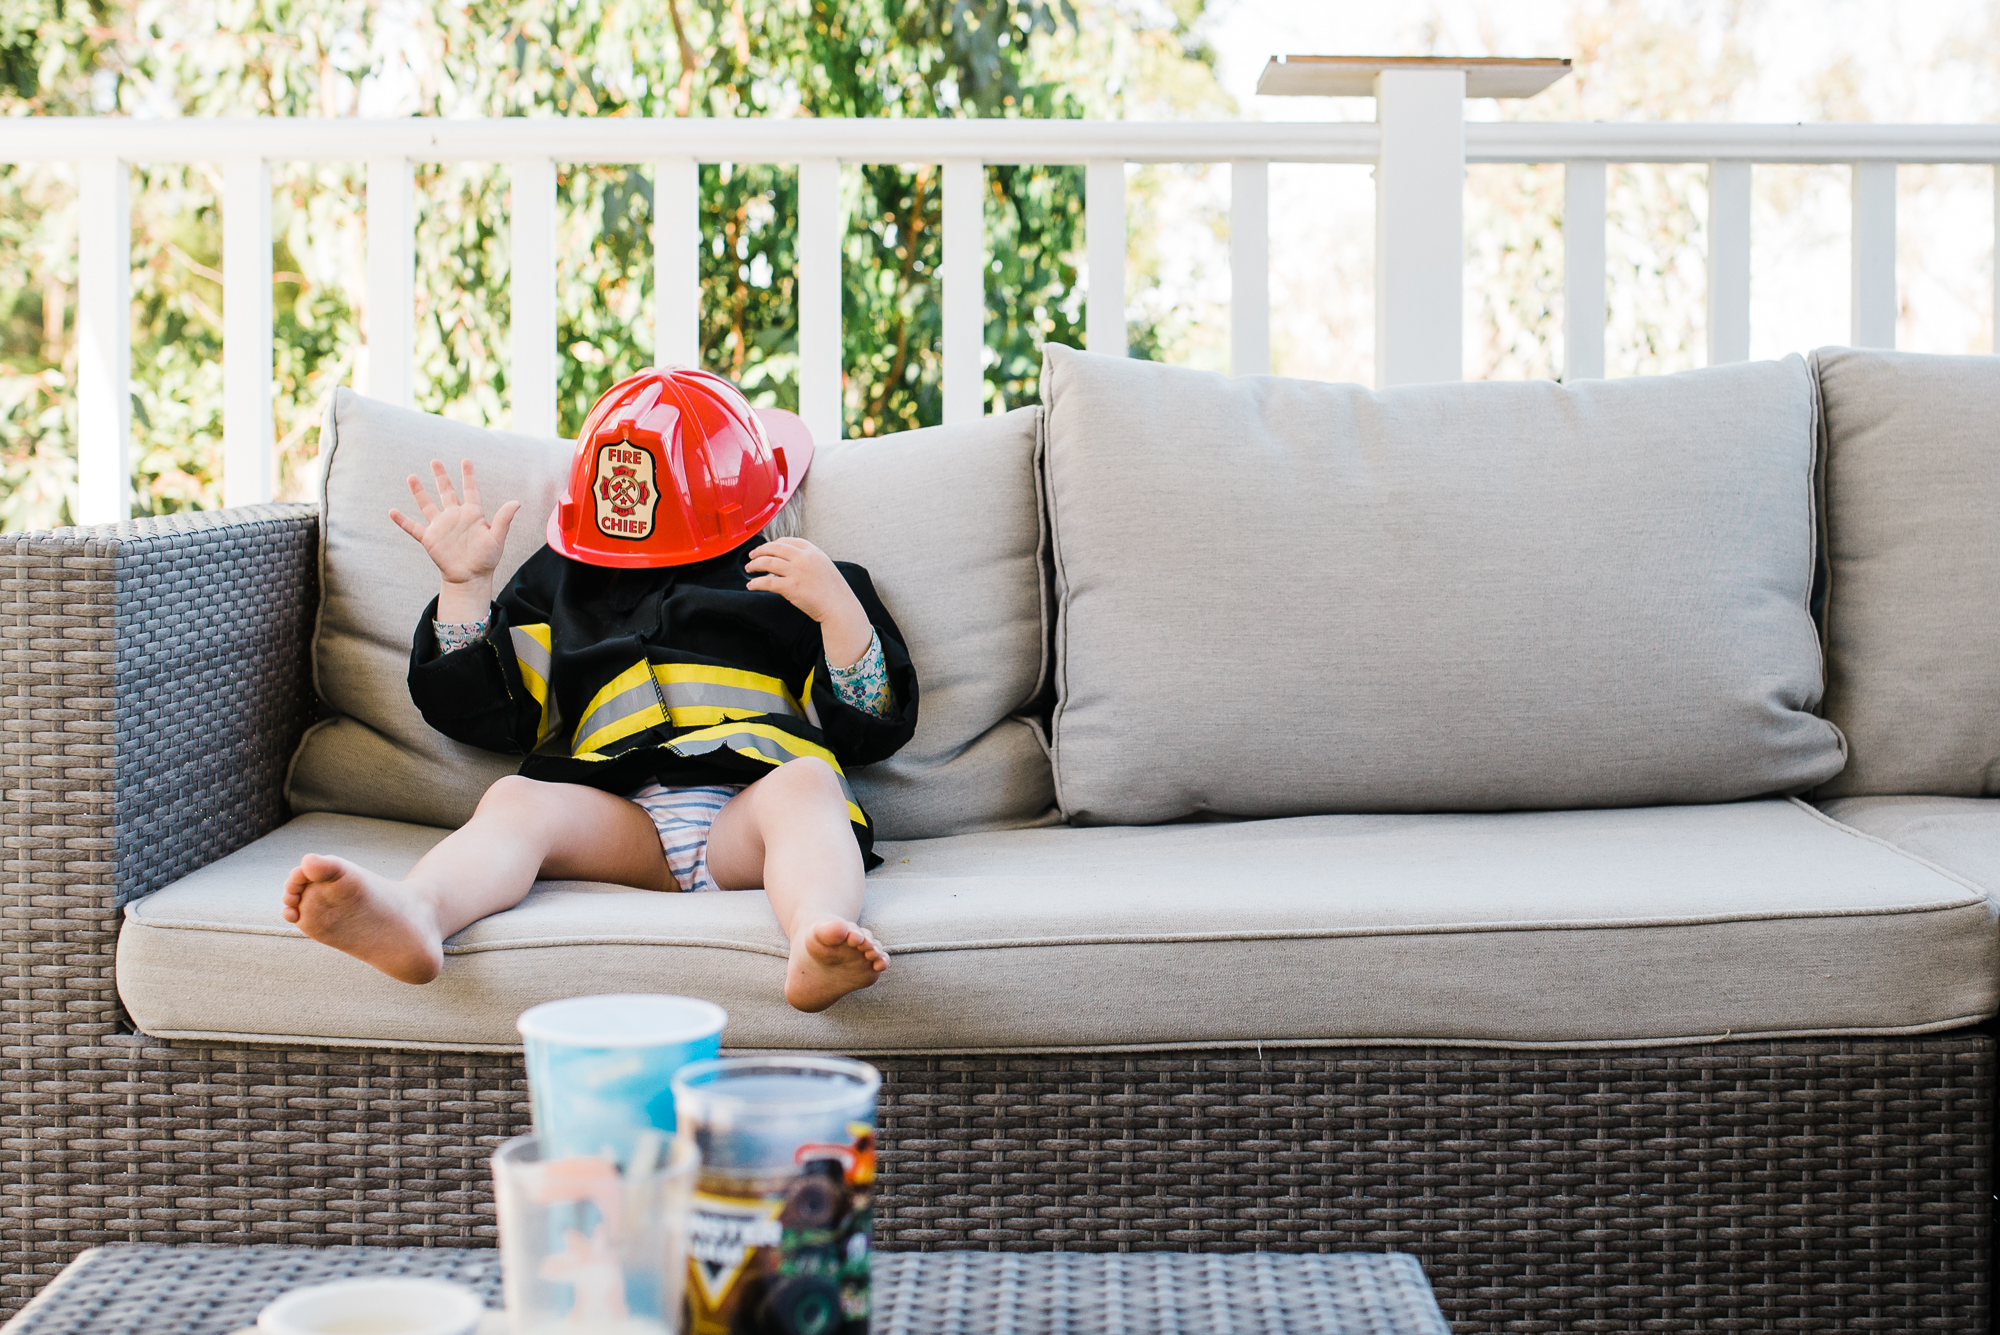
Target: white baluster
[
  {"x": 1583, "y": 271},
  {"x": 1104, "y": 256},
  {"x": 1728, "y": 262},
  {"x": 531, "y": 289},
  {"x": 1250, "y": 267},
  {"x": 247, "y": 453},
  {"x": 104, "y": 341},
  {"x": 1872, "y": 298},
  {"x": 821, "y": 226},
  {"x": 1420, "y": 227},
  {"x": 964, "y": 289},
  {"x": 392, "y": 282},
  {"x": 677, "y": 262}
]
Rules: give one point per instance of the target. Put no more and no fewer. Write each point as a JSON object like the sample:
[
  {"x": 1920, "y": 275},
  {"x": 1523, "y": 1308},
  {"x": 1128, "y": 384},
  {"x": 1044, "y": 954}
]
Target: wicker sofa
[{"x": 1601, "y": 1026}]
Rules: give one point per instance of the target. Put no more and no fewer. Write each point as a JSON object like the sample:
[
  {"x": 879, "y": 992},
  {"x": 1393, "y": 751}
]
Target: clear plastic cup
[
  {"x": 600, "y": 1069},
  {"x": 782, "y": 1221},
  {"x": 589, "y": 1246}
]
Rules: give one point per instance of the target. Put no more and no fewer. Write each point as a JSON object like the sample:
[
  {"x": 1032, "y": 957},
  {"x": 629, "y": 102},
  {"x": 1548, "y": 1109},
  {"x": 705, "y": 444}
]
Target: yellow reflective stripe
[
  {"x": 629, "y": 703},
  {"x": 533, "y": 656},
  {"x": 696, "y": 694},
  {"x": 772, "y": 745},
  {"x": 812, "y": 715}
]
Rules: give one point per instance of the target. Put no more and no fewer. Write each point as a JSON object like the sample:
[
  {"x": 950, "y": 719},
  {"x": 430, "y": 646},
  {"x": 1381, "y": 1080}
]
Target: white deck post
[
  {"x": 392, "y": 282},
  {"x": 820, "y": 358},
  {"x": 677, "y": 262},
  {"x": 1728, "y": 262},
  {"x": 1250, "y": 267},
  {"x": 246, "y": 332},
  {"x": 104, "y": 341},
  {"x": 1872, "y": 298},
  {"x": 1104, "y": 256},
  {"x": 531, "y": 331},
  {"x": 964, "y": 289},
  {"x": 1420, "y": 227},
  {"x": 1583, "y": 271}
]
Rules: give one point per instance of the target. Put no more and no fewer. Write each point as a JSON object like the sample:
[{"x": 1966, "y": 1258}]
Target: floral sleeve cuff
[
  {"x": 865, "y": 685},
  {"x": 457, "y": 634}
]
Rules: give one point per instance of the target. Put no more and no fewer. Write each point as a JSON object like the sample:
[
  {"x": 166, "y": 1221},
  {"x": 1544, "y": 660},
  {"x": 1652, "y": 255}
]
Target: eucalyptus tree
[{"x": 717, "y": 58}]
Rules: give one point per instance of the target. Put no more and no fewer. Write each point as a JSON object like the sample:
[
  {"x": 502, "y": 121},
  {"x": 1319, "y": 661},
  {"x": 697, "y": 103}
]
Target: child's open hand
[
  {"x": 804, "y": 576},
  {"x": 455, "y": 532}
]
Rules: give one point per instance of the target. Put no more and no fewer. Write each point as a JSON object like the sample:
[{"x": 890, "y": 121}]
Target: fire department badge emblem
[{"x": 626, "y": 490}]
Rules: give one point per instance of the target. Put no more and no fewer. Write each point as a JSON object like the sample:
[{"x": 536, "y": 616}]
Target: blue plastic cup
[{"x": 601, "y": 1069}]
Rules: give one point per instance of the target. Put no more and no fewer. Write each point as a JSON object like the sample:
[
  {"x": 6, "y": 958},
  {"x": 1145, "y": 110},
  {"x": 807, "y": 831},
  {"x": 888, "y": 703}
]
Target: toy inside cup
[
  {"x": 588, "y": 1246},
  {"x": 783, "y": 1217},
  {"x": 601, "y": 1069},
  {"x": 375, "y": 1307}
]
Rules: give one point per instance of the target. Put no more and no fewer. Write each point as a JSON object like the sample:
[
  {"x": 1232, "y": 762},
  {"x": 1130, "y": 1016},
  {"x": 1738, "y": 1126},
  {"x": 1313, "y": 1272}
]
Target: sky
[{"x": 1893, "y": 42}]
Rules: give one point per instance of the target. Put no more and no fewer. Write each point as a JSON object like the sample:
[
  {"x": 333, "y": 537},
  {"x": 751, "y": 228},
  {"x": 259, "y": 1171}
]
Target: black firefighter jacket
[{"x": 620, "y": 678}]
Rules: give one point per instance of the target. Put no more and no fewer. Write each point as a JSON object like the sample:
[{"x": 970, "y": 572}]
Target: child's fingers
[
  {"x": 446, "y": 495},
  {"x": 470, "y": 487},
  {"x": 407, "y": 524},
  {"x": 503, "y": 520},
  {"x": 425, "y": 505}
]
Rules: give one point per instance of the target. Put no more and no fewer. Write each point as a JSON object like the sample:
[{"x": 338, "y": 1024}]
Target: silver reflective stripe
[
  {"x": 700, "y": 694},
  {"x": 632, "y": 700},
  {"x": 529, "y": 651},
  {"x": 767, "y": 747}
]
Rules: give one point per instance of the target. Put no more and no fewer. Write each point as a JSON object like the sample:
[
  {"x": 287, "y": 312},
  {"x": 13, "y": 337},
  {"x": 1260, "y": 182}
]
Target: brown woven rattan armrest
[{"x": 154, "y": 677}]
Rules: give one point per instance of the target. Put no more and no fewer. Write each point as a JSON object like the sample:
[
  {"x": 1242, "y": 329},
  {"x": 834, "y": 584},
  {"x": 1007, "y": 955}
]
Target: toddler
[{"x": 686, "y": 680}]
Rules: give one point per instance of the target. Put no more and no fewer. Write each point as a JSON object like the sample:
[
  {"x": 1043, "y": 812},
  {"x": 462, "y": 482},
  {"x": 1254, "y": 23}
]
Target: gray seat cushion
[
  {"x": 1960, "y": 834},
  {"x": 1913, "y": 546},
  {"x": 1282, "y": 598},
  {"x": 1588, "y": 927}
]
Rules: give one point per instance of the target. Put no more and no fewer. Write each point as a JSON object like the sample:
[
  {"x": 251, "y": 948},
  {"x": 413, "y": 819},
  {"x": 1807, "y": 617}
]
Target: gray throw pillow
[
  {"x": 1913, "y": 546},
  {"x": 946, "y": 520},
  {"x": 1278, "y": 598},
  {"x": 376, "y": 756}
]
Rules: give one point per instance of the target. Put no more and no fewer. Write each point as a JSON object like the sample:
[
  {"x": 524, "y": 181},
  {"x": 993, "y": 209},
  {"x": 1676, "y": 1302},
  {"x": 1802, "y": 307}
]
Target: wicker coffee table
[{"x": 151, "y": 1290}]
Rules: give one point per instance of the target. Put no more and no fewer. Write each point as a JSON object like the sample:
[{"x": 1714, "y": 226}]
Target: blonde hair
[{"x": 789, "y": 522}]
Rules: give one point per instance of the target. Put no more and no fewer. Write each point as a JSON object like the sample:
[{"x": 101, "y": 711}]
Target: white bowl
[{"x": 375, "y": 1307}]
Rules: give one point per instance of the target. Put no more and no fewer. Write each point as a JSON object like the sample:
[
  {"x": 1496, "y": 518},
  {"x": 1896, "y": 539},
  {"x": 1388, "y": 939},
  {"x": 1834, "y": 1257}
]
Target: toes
[{"x": 313, "y": 867}]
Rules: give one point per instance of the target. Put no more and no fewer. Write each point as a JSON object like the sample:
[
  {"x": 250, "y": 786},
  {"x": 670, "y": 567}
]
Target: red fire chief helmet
[{"x": 673, "y": 466}]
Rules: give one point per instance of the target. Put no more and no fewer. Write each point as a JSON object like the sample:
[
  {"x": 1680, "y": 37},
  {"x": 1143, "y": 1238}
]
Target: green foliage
[{"x": 719, "y": 58}]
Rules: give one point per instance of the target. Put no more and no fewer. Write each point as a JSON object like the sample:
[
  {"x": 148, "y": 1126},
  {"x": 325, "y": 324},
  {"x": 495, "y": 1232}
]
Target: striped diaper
[{"x": 682, "y": 816}]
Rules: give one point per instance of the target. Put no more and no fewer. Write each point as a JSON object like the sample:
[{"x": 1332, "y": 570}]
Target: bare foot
[
  {"x": 830, "y": 959},
  {"x": 376, "y": 920}
]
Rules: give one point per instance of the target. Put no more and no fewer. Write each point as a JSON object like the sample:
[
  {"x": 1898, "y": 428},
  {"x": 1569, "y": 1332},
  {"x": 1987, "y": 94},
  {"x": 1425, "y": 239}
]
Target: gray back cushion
[
  {"x": 1277, "y": 597},
  {"x": 946, "y": 520},
  {"x": 376, "y": 756},
  {"x": 1913, "y": 546}
]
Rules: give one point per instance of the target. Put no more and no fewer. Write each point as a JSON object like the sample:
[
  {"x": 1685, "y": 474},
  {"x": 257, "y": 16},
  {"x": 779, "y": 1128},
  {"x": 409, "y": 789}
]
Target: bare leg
[
  {"x": 523, "y": 829},
  {"x": 789, "y": 833}
]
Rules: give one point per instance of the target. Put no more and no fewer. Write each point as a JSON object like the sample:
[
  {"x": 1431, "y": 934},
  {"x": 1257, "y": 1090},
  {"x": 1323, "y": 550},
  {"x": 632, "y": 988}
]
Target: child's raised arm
[{"x": 457, "y": 537}]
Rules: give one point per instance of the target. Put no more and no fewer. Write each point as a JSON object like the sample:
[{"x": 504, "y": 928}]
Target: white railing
[{"x": 1419, "y": 147}]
